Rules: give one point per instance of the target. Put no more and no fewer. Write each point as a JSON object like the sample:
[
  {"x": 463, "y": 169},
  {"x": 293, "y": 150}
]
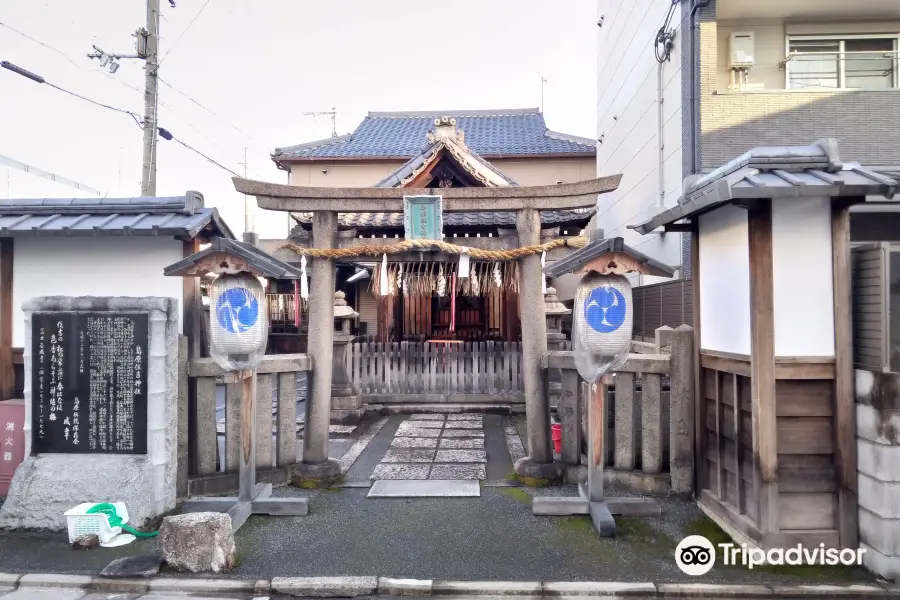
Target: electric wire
[{"x": 184, "y": 31}]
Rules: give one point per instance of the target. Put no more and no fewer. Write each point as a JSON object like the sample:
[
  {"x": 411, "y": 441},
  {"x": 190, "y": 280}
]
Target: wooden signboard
[{"x": 89, "y": 383}]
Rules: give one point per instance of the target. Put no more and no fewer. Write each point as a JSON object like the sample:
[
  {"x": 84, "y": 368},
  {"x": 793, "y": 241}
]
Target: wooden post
[
  {"x": 248, "y": 438},
  {"x": 844, "y": 409},
  {"x": 699, "y": 397},
  {"x": 597, "y": 437},
  {"x": 762, "y": 367},
  {"x": 7, "y": 379},
  {"x": 682, "y": 402}
]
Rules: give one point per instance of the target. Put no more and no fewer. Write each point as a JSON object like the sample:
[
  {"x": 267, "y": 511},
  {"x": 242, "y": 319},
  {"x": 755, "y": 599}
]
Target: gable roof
[
  {"x": 176, "y": 216},
  {"x": 259, "y": 261},
  {"x": 489, "y": 133},
  {"x": 459, "y": 153}
]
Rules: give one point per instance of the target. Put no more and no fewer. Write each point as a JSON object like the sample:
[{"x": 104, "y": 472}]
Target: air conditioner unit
[{"x": 742, "y": 44}]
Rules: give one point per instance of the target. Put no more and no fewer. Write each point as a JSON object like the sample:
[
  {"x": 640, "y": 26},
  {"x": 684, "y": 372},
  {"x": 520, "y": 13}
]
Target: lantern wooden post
[
  {"x": 605, "y": 257},
  {"x": 223, "y": 257}
]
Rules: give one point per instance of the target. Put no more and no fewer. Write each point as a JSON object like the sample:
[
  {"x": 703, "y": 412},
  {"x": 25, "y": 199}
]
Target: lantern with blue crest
[
  {"x": 238, "y": 321},
  {"x": 602, "y": 324}
]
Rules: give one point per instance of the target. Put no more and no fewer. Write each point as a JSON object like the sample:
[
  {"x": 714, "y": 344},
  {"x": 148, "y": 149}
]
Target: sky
[{"x": 239, "y": 74}]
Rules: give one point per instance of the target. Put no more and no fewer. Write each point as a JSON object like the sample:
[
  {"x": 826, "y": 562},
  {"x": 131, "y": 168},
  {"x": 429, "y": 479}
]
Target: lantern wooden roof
[
  {"x": 231, "y": 256},
  {"x": 608, "y": 257}
]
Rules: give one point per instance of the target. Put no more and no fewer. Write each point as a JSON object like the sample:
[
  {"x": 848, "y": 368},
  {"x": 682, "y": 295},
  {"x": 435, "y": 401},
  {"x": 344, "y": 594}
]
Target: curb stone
[
  {"x": 51, "y": 580},
  {"x": 712, "y": 590},
  {"x": 325, "y": 587},
  {"x": 602, "y": 588},
  {"x": 488, "y": 588},
  {"x": 388, "y": 586},
  {"x": 349, "y": 587}
]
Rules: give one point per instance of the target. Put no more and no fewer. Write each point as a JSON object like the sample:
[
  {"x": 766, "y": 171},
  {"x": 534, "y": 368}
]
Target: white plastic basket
[{"x": 81, "y": 523}]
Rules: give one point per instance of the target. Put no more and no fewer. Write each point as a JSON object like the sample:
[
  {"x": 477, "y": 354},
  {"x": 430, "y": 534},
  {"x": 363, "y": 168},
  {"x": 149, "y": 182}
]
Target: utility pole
[
  {"x": 147, "y": 48},
  {"x": 151, "y": 93}
]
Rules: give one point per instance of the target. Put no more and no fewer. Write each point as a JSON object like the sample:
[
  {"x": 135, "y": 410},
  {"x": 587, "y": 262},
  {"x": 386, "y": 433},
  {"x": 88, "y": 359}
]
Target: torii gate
[{"x": 326, "y": 203}]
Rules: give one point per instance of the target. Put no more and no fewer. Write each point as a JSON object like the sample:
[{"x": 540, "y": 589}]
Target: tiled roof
[
  {"x": 413, "y": 166},
  {"x": 780, "y": 173},
  {"x": 177, "y": 216},
  {"x": 258, "y": 260},
  {"x": 403, "y": 134},
  {"x": 455, "y": 219}
]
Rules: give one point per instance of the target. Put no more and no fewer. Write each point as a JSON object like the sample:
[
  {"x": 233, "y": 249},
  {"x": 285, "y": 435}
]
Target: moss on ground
[{"x": 517, "y": 494}]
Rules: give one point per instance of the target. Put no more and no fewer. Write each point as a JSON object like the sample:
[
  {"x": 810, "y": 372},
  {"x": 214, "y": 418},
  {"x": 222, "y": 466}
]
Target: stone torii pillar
[
  {"x": 316, "y": 466},
  {"x": 539, "y": 463}
]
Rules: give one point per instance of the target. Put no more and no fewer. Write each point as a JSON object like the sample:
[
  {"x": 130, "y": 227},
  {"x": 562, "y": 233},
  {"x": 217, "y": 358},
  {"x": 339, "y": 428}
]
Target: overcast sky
[{"x": 257, "y": 65}]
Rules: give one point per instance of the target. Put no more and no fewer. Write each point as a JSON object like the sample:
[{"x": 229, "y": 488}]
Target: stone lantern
[
  {"x": 554, "y": 311},
  {"x": 346, "y": 403}
]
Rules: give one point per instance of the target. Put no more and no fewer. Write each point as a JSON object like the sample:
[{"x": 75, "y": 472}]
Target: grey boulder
[{"x": 197, "y": 542}]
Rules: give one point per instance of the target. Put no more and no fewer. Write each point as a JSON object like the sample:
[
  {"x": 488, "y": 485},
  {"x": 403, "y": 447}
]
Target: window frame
[{"x": 841, "y": 38}]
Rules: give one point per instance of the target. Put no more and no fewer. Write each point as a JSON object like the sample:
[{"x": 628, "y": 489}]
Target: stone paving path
[{"x": 436, "y": 447}]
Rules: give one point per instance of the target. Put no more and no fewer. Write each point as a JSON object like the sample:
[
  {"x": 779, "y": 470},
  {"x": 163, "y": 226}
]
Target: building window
[{"x": 850, "y": 62}]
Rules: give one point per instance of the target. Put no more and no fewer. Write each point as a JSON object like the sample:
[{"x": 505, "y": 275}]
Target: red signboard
[{"x": 12, "y": 440}]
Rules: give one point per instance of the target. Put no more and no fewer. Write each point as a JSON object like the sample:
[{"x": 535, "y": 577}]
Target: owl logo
[
  {"x": 237, "y": 310},
  {"x": 604, "y": 309}
]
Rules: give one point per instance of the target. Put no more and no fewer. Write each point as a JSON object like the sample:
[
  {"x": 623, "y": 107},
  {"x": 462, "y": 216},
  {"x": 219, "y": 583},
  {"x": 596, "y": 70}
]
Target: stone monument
[{"x": 101, "y": 392}]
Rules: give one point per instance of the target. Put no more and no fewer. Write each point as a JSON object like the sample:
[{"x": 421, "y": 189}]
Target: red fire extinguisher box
[{"x": 12, "y": 440}]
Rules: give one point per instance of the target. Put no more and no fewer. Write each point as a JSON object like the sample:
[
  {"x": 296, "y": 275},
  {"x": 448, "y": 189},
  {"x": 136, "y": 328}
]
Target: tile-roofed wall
[{"x": 488, "y": 133}]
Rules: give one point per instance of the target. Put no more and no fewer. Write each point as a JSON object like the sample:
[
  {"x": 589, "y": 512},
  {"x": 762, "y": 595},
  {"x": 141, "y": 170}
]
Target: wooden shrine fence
[{"x": 435, "y": 372}]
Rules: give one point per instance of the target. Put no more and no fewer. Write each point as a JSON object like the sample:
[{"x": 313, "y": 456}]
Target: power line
[
  {"x": 181, "y": 35},
  {"x": 99, "y": 71},
  {"x": 165, "y": 134},
  {"x": 210, "y": 111}
]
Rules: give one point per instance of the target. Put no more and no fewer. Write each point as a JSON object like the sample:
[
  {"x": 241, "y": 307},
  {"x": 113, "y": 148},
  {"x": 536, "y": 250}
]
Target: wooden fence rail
[
  {"x": 276, "y": 432},
  {"x": 404, "y": 368},
  {"x": 649, "y": 439}
]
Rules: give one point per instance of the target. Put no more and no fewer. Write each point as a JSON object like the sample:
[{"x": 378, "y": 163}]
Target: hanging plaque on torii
[{"x": 423, "y": 218}]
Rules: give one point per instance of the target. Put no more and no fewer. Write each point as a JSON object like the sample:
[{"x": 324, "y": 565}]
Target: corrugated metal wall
[
  {"x": 669, "y": 303},
  {"x": 367, "y": 307},
  {"x": 869, "y": 294}
]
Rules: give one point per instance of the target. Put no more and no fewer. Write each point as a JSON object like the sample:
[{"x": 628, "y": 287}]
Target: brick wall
[{"x": 865, "y": 123}]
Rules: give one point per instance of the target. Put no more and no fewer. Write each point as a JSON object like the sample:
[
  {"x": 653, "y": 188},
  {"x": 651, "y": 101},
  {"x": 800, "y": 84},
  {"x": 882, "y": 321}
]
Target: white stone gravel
[
  {"x": 417, "y": 432},
  {"x": 465, "y": 425},
  {"x": 465, "y": 417}
]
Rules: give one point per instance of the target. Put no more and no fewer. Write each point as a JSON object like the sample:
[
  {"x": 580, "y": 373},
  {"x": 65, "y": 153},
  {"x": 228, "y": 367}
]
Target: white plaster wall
[
  {"x": 802, "y": 277},
  {"x": 725, "y": 281},
  {"x": 628, "y": 120},
  {"x": 103, "y": 266}
]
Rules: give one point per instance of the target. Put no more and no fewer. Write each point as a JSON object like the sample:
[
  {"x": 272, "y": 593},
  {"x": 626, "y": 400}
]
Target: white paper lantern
[
  {"x": 603, "y": 324},
  {"x": 239, "y": 325}
]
